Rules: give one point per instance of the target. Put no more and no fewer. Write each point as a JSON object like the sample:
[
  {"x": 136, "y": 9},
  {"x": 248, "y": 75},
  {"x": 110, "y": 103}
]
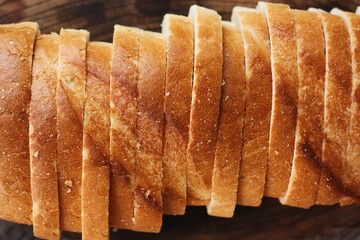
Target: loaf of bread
[{"x": 209, "y": 113}]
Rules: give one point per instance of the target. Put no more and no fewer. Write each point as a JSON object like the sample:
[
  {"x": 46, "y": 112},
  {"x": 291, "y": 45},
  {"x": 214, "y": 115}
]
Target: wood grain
[{"x": 271, "y": 219}]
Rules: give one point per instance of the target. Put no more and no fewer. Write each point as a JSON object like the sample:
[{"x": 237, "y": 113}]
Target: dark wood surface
[{"x": 271, "y": 220}]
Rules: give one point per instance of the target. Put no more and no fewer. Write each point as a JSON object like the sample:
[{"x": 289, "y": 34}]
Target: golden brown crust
[
  {"x": 42, "y": 138},
  {"x": 180, "y": 52},
  {"x": 150, "y": 123},
  {"x": 205, "y": 103},
  {"x": 123, "y": 140},
  {"x": 96, "y": 143},
  {"x": 284, "y": 101},
  {"x": 305, "y": 173},
  {"x": 258, "y": 106},
  {"x": 70, "y": 99},
  {"x": 16, "y": 51},
  {"x": 337, "y": 104},
  {"x": 229, "y": 137},
  {"x": 352, "y": 167}
]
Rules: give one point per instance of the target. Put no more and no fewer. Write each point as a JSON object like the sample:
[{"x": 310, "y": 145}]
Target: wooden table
[{"x": 271, "y": 220}]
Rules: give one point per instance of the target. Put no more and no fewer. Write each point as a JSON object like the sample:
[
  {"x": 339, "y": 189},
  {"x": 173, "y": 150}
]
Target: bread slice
[
  {"x": 16, "y": 51},
  {"x": 96, "y": 143},
  {"x": 306, "y": 168},
  {"x": 42, "y": 138},
  {"x": 229, "y": 137},
  {"x": 337, "y": 104},
  {"x": 123, "y": 134},
  {"x": 179, "y": 69},
  {"x": 284, "y": 96},
  {"x": 255, "y": 148},
  {"x": 352, "y": 165},
  {"x": 148, "y": 209},
  {"x": 205, "y": 103},
  {"x": 70, "y": 93}
]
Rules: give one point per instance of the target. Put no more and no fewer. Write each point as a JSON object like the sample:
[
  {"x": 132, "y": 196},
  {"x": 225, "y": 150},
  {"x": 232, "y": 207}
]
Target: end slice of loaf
[
  {"x": 96, "y": 143},
  {"x": 337, "y": 97},
  {"x": 42, "y": 138},
  {"x": 258, "y": 97},
  {"x": 16, "y": 52},
  {"x": 284, "y": 96},
  {"x": 148, "y": 209},
  {"x": 229, "y": 137},
  {"x": 305, "y": 172},
  {"x": 179, "y": 70},
  {"x": 70, "y": 93},
  {"x": 123, "y": 133},
  {"x": 205, "y": 103}
]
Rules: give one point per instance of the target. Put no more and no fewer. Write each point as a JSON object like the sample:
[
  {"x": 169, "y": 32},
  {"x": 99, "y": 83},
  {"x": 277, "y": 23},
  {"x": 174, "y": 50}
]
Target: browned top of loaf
[
  {"x": 16, "y": 50},
  {"x": 180, "y": 52},
  {"x": 42, "y": 136},
  {"x": 205, "y": 103},
  {"x": 305, "y": 174},
  {"x": 284, "y": 102},
  {"x": 70, "y": 100}
]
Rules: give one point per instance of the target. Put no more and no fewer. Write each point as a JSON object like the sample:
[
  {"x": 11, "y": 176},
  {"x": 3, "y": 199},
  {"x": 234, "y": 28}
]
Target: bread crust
[
  {"x": 123, "y": 136},
  {"x": 96, "y": 143},
  {"x": 352, "y": 166},
  {"x": 16, "y": 51},
  {"x": 284, "y": 97},
  {"x": 70, "y": 93},
  {"x": 257, "y": 106},
  {"x": 306, "y": 168},
  {"x": 205, "y": 103},
  {"x": 179, "y": 69},
  {"x": 229, "y": 137},
  {"x": 337, "y": 97},
  {"x": 42, "y": 138},
  {"x": 150, "y": 127}
]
